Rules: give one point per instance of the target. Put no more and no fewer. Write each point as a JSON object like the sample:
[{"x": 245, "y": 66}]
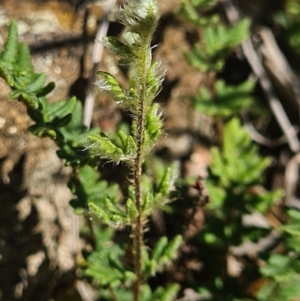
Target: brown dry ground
[{"x": 37, "y": 245}]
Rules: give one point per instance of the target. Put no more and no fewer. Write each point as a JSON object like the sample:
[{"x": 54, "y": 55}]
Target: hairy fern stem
[
  {"x": 83, "y": 149},
  {"x": 138, "y": 227}
]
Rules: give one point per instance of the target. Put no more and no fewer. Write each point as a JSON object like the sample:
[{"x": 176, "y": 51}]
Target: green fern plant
[
  {"x": 217, "y": 42},
  {"x": 83, "y": 149},
  {"x": 191, "y": 9},
  {"x": 282, "y": 271},
  {"x": 227, "y": 100},
  {"x": 60, "y": 121},
  {"x": 288, "y": 20},
  {"x": 236, "y": 173},
  {"x": 134, "y": 48}
]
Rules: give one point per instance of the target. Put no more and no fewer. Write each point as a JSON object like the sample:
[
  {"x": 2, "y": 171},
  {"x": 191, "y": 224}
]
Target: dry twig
[
  {"x": 96, "y": 58},
  {"x": 291, "y": 179},
  {"x": 257, "y": 67}
]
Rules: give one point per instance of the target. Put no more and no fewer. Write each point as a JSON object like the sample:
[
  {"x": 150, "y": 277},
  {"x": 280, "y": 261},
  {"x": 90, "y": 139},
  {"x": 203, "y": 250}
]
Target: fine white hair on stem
[
  {"x": 93, "y": 145},
  {"x": 103, "y": 84}
]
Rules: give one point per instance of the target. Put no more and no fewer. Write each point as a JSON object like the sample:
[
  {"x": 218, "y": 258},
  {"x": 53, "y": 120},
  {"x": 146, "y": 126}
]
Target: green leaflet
[
  {"x": 123, "y": 137},
  {"x": 166, "y": 182},
  {"x": 62, "y": 120},
  {"x": 103, "y": 147},
  {"x": 131, "y": 210},
  {"x": 88, "y": 189},
  {"x": 159, "y": 248},
  {"x": 227, "y": 100},
  {"x": 29, "y": 99},
  {"x": 120, "y": 48},
  {"x": 282, "y": 271},
  {"x": 104, "y": 264},
  {"x": 218, "y": 41},
  {"x": 23, "y": 59},
  {"x": 31, "y": 83},
  {"x": 147, "y": 203},
  {"x": 16, "y": 68},
  {"x": 11, "y": 45},
  {"x": 170, "y": 251},
  {"x": 239, "y": 161},
  {"x": 108, "y": 83},
  {"x": 292, "y": 228},
  {"x": 153, "y": 127},
  {"x": 43, "y": 131},
  {"x": 128, "y": 144},
  {"x": 165, "y": 294},
  {"x": 109, "y": 214},
  {"x": 155, "y": 78},
  {"x": 163, "y": 253},
  {"x": 158, "y": 187},
  {"x": 190, "y": 10}
]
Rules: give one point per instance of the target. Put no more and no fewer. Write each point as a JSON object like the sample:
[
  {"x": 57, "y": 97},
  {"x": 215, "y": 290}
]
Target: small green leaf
[
  {"x": 24, "y": 60},
  {"x": 191, "y": 12},
  {"x": 121, "y": 49},
  {"x": 293, "y": 229},
  {"x": 238, "y": 162},
  {"x": 88, "y": 188},
  {"x": 147, "y": 202},
  {"x": 278, "y": 265},
  {"x": 172, "y": 247},
  {"x": 131, "y": 210},
  {"x": 103, "y": 147},
  {"x": 113, "y": 216},
  {"x": 164, "y": 251},
  {"x": 153, "y": 126},
  {"x": 123, "y": 137},
  {"x": 128, "y": 144},
  {"x": 166, "y": 182},
  {"x": 227, "y": 101},
  {"x": 166, "y": 293},
  {"x": 197, "y": 59},
  {"x": 159, "y": 248},
  {"x": 29, "y": 99},
  {"x": 43, "y": 131},
  {"x": 154, "y": 81},
  {"x": 108, "y": 83},
  {"x": 294, "y": 215},
  {"x": 45, "y": 90},
  {"x": 11, "y": 45},
  {"x": 130, "y": 148}
]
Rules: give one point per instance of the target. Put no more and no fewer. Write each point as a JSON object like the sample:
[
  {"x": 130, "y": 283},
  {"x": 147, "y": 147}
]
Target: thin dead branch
[
  {"x": 252, "y": 249},
  {"x": 96, "y": 58},
  {"x": 260, "y": 139},
  {"x": 291, "y": 180},
  {"x": 281, "y": 72},
  {"x": 265, "y": 83}
]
